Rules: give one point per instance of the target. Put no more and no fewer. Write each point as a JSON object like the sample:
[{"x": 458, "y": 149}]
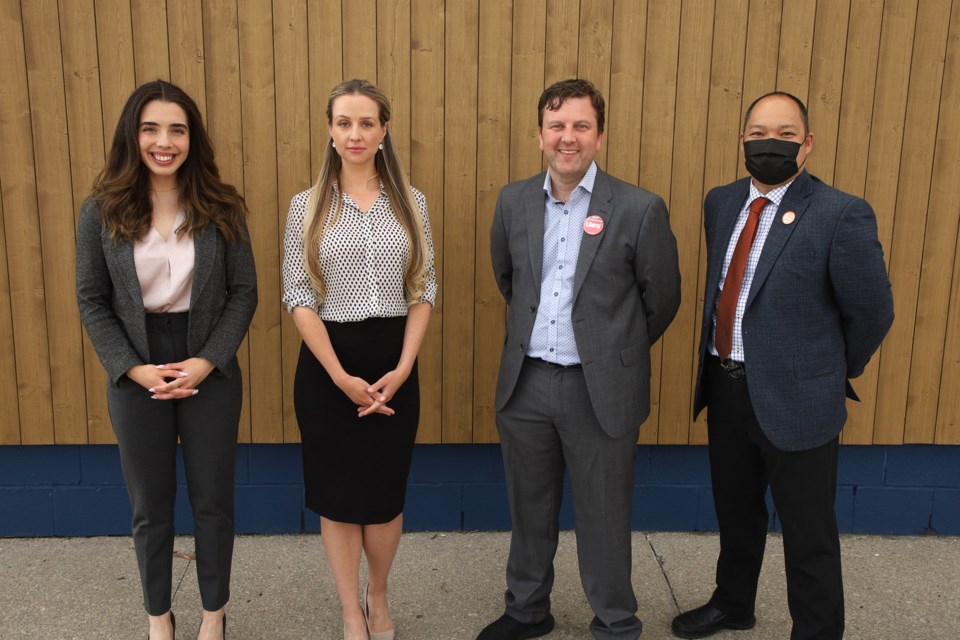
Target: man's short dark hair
[
  {"x": 556, "y": 94},
  {"x": 803, "y": 109}
]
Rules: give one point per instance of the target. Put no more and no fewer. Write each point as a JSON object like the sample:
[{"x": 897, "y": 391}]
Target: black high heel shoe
[{"x": 173, "y": 623}]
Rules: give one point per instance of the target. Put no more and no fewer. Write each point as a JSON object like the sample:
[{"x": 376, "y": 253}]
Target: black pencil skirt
[{"x": 355, "y": 469}]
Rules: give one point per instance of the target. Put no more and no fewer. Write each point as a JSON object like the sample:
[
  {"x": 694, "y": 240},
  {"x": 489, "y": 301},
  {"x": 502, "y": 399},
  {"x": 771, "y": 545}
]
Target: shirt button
[
  {"x": 560, "y": 267},
  {"x": 563, "y": 239},
  {"x": 555, "y": 294},
  {"x": 553, "y": 322},
  {"x": 551, "y": 349}
]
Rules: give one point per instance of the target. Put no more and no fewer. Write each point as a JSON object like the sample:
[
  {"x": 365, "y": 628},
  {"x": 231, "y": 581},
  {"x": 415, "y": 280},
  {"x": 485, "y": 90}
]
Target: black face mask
[{"x": 771, "y": 161}]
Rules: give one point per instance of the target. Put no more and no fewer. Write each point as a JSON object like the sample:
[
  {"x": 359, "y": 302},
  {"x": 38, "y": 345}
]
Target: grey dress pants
[
  {"x": 147, "y": 432},
  {"x": 549, "y": 426}
]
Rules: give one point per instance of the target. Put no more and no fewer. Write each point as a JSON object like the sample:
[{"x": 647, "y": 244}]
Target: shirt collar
[
  {"x": 586, "y": 183},
  {"x": 775, "y": 196}
]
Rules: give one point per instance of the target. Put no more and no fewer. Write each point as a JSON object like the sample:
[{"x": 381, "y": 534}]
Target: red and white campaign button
[{"x": 593, "y": 225}]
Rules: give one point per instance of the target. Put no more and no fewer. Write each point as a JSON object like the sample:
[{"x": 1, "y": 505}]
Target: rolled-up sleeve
[
  {"x": 430, "y": 272},
  {"x": 298, "y": 291}
]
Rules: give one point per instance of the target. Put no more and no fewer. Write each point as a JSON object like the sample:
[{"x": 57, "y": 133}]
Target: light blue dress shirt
[{"x": 552, "y": 339}]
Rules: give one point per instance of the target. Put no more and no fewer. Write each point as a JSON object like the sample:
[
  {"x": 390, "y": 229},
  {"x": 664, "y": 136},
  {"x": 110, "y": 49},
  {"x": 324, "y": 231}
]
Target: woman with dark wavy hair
[
  {"x": 166, "y": 287},
  {"x": 359, "y": 280}
]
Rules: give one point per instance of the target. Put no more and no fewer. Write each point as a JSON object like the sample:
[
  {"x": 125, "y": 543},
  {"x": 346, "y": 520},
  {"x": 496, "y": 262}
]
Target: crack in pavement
[
  {"x": 183, "y": 575},
  {"x": 661, "y": 563}
]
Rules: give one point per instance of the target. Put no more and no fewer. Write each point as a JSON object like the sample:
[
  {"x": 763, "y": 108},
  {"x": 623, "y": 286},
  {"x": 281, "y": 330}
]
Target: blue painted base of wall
[{"x": 78, "y": 491}]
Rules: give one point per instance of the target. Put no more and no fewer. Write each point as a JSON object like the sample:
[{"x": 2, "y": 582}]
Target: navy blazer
[
  {"x": 626, "y": 291},
  {"x": 818, "y": 307},
  {"x": 222, "y": 299}
]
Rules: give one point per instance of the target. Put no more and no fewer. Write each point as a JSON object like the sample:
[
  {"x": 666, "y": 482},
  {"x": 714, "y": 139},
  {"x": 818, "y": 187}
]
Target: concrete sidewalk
[{"x": 449, "y": 585}]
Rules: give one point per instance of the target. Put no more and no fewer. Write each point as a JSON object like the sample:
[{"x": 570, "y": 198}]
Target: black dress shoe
[
  {"x": 507, "y": 628},
  {"x": 707, "y": 620}
]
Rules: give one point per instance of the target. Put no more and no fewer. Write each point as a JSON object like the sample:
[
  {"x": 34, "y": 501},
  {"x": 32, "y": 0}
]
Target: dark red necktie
[{"x": 727, "y": 306}]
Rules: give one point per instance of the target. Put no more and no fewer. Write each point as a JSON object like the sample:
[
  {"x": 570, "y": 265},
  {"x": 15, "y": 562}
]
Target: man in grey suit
[
  {"x": 797, "y": 300},
  {"x": 588, "y": 266}
]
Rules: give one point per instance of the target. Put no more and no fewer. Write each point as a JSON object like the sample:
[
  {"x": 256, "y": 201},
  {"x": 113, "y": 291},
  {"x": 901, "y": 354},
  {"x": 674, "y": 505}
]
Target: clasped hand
[
  {"x": 173, "y": 380},
  {"x": 373, "y": 398}
]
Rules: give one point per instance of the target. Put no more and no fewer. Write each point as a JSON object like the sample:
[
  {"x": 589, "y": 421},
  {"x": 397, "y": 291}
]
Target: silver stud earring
[
  {"x": 381, "y": 146},
  {"x": 333, "y": 144}
]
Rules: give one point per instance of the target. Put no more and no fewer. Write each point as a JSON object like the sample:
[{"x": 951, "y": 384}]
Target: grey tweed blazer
[{"x": 222, "y": 300}]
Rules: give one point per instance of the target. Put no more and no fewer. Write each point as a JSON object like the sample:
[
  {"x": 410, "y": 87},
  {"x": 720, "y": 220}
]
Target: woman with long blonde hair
[{"x": 359, "y": 281}]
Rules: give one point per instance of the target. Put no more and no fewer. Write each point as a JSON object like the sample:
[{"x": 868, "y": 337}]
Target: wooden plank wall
[{"x": 881, "y": 78}]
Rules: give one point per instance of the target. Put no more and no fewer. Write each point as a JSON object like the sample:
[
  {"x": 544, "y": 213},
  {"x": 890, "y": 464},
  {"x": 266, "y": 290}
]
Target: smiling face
[
  {"x": 570, "y": 139},
  {"x": 164, "y": 139},
  {"x": 356, "y": 130}
]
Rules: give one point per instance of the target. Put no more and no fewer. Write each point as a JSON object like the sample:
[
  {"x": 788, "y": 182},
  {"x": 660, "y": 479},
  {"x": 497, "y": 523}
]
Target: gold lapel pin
[{"x": 789, "y": 217}]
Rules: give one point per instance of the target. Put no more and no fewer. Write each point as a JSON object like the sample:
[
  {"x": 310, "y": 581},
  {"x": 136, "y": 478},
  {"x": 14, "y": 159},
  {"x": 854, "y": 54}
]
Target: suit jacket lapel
[
  {"x": 204, "y": 254},
  {"x": 727, "y": 213},
  {"x": 796, "y": 199},
  {"x": 533, "y": 212},
  {"x": 126, "y": 270},
  {"x": 601, "y": 204}
]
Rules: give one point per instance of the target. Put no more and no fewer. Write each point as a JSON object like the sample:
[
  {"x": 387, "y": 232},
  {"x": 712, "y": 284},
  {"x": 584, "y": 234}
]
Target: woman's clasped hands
[
  {"x": 172, "y": 381},
  {"x": 372, "y": 398}
]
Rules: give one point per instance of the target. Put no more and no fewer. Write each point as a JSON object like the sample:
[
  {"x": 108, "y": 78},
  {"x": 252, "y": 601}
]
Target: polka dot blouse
[{"x": 363, "y": 257}]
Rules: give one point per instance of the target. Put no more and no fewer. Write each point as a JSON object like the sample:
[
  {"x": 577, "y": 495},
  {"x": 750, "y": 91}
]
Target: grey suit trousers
[
  {"x": 147, "y": 432},
  {"x": 547, "y": 426}
]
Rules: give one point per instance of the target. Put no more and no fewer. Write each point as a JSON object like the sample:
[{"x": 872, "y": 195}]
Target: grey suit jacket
[
  {"x": 222, "y": 299},
  {"x": 818, "y": 308},
  {"x": 626, "y": 291}
]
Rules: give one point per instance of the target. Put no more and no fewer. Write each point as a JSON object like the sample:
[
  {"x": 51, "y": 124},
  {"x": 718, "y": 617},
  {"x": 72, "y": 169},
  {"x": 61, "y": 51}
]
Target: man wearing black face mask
[{"x": 797, "y": 300}]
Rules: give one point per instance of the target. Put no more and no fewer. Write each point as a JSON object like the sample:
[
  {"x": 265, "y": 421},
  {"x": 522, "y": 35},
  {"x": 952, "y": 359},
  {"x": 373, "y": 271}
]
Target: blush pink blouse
[{"x": 165, "y": 269}]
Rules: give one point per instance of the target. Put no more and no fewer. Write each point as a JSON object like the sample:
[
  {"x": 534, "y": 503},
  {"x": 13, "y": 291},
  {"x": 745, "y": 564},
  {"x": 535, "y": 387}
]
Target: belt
[
  {"x": 541, "y": 361},
  {"x": 734, "y": 369}
]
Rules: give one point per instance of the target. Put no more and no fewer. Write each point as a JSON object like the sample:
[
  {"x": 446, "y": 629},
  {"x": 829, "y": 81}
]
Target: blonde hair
[{"x": 323, "y": 210}]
